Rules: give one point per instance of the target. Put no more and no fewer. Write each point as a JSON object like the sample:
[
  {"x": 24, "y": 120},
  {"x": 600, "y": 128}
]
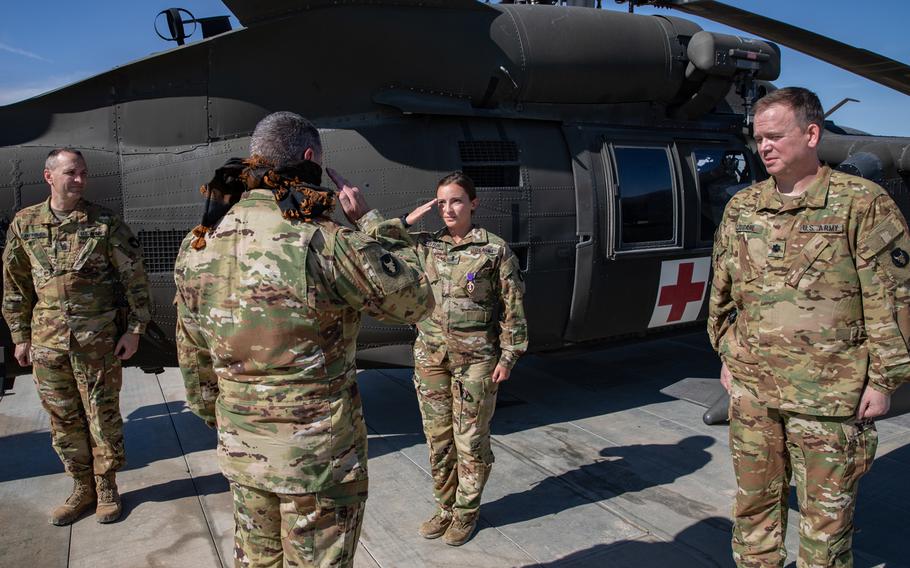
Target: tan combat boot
[
  {"x": 436, "y": 526},
  {"x": 82, "y": 497},
  {"x": 460, "y": 531},
  {"x": 108, "y": 509}
]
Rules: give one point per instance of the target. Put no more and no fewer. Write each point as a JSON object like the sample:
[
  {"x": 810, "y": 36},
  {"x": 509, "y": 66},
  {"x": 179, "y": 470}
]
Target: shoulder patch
[
  {"x": 899, "y": 257},
  {"x": 390, "y": 265}
]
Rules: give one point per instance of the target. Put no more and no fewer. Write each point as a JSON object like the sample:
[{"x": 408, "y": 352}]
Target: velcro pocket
[
  {"x": 387, "y": 270},
  {"x": 890, "y": 245},
  {"x": 880, "y": 237},
  {"x": 85, "y": 253},
  {"x": 806, "y": 257}
]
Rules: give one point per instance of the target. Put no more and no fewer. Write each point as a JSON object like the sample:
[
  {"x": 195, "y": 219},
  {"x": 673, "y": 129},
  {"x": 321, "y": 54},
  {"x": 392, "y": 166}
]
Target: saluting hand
[
  {"x": 353, "y": 203},
  {"x": 421, "y": 210}
]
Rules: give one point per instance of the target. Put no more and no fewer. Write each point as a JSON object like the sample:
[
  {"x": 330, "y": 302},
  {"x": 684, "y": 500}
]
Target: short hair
[
  {"x": 282, "y": 137},
  {"x": 460, "y": 179},
  {"x": 51, "y": 161},
  {"x": 803, "y": 102}
]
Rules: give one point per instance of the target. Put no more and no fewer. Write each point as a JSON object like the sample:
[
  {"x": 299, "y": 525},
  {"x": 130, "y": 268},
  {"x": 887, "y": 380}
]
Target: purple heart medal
[{"x": 470, "y": 285}]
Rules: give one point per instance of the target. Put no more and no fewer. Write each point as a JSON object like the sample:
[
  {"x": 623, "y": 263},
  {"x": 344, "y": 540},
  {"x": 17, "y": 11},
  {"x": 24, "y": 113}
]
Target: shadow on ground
[
  {"x": 148, "y": 432},
  {"x": 711, "y": 534},
  {"x": 606, "y": 479}
]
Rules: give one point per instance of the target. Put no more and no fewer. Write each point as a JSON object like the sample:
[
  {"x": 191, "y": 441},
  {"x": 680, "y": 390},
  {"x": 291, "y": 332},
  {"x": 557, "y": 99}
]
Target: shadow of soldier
[
  {"x": 639, "y": 467},
  {"x": 172, "y": 490},
  {"x": 149, "y": 433},
  {"x": 703, "y": 544}
]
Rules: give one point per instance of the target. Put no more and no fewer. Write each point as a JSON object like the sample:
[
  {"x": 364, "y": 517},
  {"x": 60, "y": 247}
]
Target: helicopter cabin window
[
  {"x": 644, "y": 196},
  {"x": 721, "y": 173}
]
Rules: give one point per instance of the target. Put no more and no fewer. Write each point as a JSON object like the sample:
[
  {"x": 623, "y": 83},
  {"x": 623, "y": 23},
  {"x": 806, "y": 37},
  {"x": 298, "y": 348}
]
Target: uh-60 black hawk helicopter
[{"x": 604, "y": 145}]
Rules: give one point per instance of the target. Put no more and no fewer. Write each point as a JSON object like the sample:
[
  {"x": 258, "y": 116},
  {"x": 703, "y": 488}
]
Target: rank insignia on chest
[
  {"x": 776, "y": 249},
  {"x": 899, "y": 257},
  {"x": 470, "y": 285}
]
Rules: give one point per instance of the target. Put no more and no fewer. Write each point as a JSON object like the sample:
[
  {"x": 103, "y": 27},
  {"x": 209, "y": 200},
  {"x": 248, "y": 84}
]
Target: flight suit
[
  {"x": 268, "y": 317},
  {"x": 809, "y": 306},
  {"x": 478, "y": 322},
  {"x": 61, "y": 281}
]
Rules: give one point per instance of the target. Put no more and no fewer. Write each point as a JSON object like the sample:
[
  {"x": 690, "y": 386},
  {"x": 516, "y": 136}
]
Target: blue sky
[{"x": 45, "y": 45}]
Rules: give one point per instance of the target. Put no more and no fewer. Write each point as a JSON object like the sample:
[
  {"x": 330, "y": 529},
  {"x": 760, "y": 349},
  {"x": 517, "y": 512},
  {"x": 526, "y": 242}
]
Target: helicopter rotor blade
[{"x": 863, "y": 62}]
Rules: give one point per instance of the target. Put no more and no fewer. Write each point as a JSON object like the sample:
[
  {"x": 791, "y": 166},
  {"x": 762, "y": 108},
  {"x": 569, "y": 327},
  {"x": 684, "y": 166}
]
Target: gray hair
[
  {"x": 51, "y": 161},
  {"x": 283, "y": 137}
]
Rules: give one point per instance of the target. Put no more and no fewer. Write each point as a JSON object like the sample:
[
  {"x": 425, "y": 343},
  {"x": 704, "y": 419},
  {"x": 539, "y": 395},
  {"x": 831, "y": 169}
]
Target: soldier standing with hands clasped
[
  {"x": 809, "y": 313},
  {"x": 464, "y": 349},
  {"x": 269, "y": 296},
  {"x": 62, "y": 263}
]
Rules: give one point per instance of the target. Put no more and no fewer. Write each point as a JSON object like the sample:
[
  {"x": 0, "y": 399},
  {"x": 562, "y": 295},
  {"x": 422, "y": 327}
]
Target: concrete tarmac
[{"x": 594, "y": 468}]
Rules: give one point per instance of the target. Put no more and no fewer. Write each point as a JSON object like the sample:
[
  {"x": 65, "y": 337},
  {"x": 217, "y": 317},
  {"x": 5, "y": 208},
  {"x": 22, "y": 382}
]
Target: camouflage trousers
[
  {"x": 457, "y": 404},
  {"x": 80, "y": 389},
  {"x": 825, "y": 456},
  {"x": 307, "y": 530}
]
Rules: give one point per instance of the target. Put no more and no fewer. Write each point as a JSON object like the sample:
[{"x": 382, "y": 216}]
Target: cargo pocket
[{"x": 862, "y": 443}]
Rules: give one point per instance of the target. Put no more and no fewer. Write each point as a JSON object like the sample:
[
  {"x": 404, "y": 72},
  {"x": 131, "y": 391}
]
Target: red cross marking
[{"x": 684, "y": 291}]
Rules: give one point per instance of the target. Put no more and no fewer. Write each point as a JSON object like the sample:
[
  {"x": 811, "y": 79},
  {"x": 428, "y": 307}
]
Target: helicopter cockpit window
[
  {"x": 645, "y": 192},
  {"x": 721, "y": 173}
]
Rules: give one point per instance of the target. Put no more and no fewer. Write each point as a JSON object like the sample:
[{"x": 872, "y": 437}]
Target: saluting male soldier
[
  {"x": 464, "y": 350},
  {"x": 809, "y": 313},
  {"x": 63, "y": 261},
  {"x": 269, "y": 296}
]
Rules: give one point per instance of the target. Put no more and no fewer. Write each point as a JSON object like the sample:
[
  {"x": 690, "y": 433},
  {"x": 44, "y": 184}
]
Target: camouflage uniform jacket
[
  {"x": 59, "y": 277},
  {"x": 479, "y": 292},
  {"x": 267, "y": 321},
  {"x": 809, "y": 298}
]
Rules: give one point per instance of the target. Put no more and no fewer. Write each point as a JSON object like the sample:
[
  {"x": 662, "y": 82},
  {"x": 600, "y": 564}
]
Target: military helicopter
[{"x": 604, "y": 161}]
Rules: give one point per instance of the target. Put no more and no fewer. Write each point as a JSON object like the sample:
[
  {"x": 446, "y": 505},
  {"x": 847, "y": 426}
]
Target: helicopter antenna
[{"x": 840, "y": 104}]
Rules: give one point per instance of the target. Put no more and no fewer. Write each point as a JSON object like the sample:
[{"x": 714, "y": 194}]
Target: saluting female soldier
[{"x": 464, "y": 350}]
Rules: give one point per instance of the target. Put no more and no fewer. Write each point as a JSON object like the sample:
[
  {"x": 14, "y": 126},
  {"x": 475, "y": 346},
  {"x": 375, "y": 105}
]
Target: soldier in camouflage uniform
[
  {"x": 809, "y": 313},
  {"x": 269, "y": 296},
  {"x": 63, "y": 260},
  {"x": 464, "y": 350}
]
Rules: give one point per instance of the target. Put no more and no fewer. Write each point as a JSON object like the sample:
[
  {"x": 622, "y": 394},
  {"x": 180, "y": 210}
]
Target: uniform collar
[
  {"x": 477, "y": 235},
  {"x": 814, "y": 197},
  {"x": 79, "y": 214},
  {"x": 259, "y": 194}
]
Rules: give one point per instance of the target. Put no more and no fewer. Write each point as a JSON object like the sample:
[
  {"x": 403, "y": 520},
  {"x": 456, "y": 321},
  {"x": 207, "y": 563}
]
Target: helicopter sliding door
[{"x": 645, "y": 228}]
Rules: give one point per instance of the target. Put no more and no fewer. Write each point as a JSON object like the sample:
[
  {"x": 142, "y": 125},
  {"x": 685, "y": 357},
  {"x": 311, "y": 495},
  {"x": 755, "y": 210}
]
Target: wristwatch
[{"x": 404, "y": 221}]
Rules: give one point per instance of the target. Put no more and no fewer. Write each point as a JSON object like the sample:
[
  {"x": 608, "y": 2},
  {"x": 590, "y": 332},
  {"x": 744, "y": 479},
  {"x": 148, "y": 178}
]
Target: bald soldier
[
  {"x": 809, "y": 313},
  {"x": 270, "y": 293},
  {"x": 63, "y": 261}
]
